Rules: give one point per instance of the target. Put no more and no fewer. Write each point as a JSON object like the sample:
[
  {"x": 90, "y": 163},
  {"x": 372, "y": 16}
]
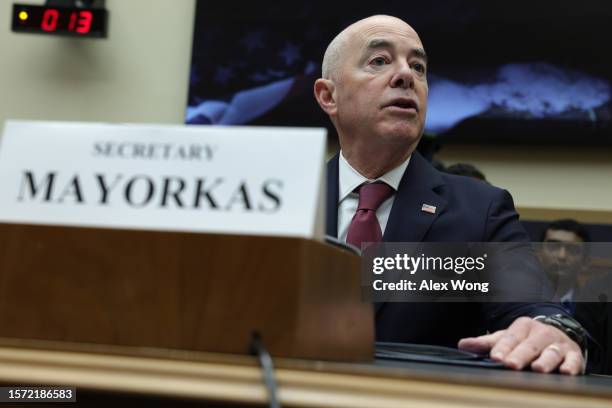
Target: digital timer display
[{"x": 73, "y": 21}]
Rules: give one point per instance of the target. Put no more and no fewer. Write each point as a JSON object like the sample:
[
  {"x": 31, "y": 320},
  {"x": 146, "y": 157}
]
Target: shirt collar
[{"x": 350, "y": 179}]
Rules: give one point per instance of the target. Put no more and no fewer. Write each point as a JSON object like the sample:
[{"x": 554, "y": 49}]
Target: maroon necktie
[{"x": 364, "y": 226}]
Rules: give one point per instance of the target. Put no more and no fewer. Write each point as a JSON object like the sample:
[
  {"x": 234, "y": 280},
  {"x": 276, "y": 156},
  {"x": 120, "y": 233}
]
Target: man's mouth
[{"x": 402, "y": 105}]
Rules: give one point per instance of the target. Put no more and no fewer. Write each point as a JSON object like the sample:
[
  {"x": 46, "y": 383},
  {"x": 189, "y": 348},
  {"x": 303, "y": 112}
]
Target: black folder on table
[{"x": 422, "y": 353}]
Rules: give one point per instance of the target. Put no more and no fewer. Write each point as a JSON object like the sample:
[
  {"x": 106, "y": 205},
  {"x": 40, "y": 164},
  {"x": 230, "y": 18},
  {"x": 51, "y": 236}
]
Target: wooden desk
[{"x": 156, "y": 377}]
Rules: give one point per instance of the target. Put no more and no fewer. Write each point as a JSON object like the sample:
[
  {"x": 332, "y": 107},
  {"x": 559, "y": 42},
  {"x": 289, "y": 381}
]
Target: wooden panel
[{"x": 182, "y": 291}]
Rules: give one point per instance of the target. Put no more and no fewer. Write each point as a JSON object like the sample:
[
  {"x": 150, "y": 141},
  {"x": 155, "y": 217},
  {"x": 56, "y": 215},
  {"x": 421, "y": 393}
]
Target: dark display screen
[
  {"x": 522, "y": 71},
  {"x": 78, "y": 22}
]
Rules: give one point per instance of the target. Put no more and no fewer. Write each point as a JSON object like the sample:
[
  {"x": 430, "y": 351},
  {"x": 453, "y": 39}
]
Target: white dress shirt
[{"x": 349, "y": 180}]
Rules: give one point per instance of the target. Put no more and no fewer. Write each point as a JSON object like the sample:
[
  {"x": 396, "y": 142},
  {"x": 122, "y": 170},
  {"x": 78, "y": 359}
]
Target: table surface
[{"x": 237, "y": 379}]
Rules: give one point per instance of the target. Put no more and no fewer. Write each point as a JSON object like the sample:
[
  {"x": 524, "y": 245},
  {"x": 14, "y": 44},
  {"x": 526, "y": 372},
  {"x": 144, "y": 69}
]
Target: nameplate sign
[{"x": 234, "y": 180}]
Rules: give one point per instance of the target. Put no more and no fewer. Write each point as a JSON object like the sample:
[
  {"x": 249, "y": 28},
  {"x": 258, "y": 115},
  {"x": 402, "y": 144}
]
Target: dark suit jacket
[{"x": 467, "y": 210}]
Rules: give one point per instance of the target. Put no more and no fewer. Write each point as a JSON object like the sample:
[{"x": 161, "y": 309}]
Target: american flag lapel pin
[{"x": 428, "y": 208}]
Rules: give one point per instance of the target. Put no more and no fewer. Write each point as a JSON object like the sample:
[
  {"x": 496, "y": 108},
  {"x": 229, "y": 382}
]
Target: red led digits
[
  {"x": 80, "y": 21},
  {"x": 49, "y": 20},
  {"x": 68, "y": 21},
  {"x": 73, "y": 19},
  {"x": 84, "y": 23}
]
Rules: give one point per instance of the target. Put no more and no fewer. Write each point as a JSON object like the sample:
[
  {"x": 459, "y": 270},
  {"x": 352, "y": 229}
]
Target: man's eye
[
  {"x": 419, "y": 67},
  {"x": 379, "y": 61}
]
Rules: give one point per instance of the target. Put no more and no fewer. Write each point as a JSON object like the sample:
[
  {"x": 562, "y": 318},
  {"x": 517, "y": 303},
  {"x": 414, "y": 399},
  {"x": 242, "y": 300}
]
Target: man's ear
[{"x": 324, "y": 91}]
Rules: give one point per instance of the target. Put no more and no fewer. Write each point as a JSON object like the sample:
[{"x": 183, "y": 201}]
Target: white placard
[{"x": 235, "y": 180}]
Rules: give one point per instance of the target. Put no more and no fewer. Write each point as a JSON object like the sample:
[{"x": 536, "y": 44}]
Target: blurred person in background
[{"x": 565, "y": 258}]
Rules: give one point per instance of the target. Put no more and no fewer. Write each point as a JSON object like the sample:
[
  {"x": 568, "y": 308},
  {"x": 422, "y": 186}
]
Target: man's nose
[{"x": 403, "y": 77}]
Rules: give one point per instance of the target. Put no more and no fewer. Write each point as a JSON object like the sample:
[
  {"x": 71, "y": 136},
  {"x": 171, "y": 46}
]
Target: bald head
[
  {"x": 336, "y": 50},
  {"x": 374, "y": 89}
]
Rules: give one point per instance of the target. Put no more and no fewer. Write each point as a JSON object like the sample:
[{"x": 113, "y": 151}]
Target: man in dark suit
[{"x": 374, "y": 89}]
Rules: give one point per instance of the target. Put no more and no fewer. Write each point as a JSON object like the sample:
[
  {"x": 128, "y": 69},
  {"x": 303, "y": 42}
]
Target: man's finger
[
  {"x": 523, "y": 354},
  {"x": 573, "y": 364},
  {"x": 530, "y": 348},
  {"x": 480, "y": 344},
  {"x": 550, "y": 359},
  {"x": 516, "y": 333}
]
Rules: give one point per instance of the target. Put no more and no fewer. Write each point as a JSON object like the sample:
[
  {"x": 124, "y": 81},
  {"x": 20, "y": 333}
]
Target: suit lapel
[
  {"x": 407, "y": 220},
  {"x": 331, "y": 207}
]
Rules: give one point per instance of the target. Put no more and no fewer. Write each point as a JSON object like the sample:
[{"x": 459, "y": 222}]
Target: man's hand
[{"x": 529, "y": 342}]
